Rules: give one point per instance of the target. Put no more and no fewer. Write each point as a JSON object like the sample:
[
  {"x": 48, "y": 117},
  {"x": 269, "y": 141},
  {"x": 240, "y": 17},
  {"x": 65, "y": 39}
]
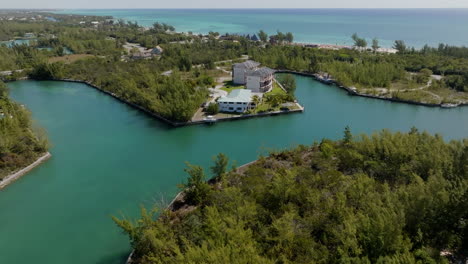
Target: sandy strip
[{"x": 13, "y": 177}]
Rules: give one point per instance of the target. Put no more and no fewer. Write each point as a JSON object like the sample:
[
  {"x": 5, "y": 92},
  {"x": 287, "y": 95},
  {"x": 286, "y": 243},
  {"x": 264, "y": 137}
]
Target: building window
[{"x": 231, "y": 108}]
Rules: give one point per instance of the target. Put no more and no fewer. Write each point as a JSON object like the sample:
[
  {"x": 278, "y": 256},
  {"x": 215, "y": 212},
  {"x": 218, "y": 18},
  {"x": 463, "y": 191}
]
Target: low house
[
  {"x": 261, "y": 80},
  {"x": 239, "y": 100},
  {"x": 157, "y": 51},
  {"x": 141, "y": 55},
  {"x": 240, "y": 71},
  {"x": 254, "y": 38}
]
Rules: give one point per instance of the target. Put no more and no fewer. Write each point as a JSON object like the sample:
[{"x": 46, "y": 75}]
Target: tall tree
[
  {"x": 359, "y": 42},
  {"x": 263, "y": 36},
  {"x": 196, "y": 188},
  {"x": 400, "y": 46},
  {"x": 375, "y": 44},
  {"x": 289, "y": 83},
  {"x": 289, "y": 37},
  {"x": 219, "y": 167}
]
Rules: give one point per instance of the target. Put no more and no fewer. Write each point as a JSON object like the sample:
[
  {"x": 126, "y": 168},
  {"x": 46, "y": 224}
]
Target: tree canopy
[{"x": 384, "y": 198}]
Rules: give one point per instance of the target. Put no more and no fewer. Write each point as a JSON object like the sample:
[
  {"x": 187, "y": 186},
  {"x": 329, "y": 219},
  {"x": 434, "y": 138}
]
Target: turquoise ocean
[{"x": 331, "y": 26}]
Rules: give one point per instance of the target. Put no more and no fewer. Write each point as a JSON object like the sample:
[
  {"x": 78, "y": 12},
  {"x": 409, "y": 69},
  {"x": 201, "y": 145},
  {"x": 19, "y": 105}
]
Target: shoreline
[
  {"x": 174, "y": 123},
  {"x": 18, "y": 174},
  {"x": 355, "y": 93},
  {"x": 178, "y": 197}
]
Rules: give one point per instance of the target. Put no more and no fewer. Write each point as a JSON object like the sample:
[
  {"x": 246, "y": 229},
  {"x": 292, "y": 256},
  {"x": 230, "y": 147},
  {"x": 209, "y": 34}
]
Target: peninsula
[
  {"x": 180, "y": 77},
  {"x": 21, "y": 147},
  {"x": 352, "y": 200}
]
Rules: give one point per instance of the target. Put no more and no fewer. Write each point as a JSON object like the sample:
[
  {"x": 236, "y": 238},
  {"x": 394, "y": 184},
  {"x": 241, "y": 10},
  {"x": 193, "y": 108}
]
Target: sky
[{"x": 95, "y": 4}]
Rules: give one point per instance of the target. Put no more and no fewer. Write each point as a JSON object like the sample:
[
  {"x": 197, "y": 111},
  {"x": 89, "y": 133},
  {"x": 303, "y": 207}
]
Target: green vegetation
[
  {"x": 212, "y": 109},
  {"x": 289, "y": 83},
  {"x": 229, "y": 86},
  {"x": 367, "y": 71},
  {"x": 359, "y": 42},
  {"x": 385, "y": 198},
  {"x": 110, "y": 56},
  {"x": 19, "y": 144}
]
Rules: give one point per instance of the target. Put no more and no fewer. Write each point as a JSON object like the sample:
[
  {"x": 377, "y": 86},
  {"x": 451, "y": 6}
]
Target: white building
[
  {"x": 261, "y": 80},
  {"x": 240, "y": 71},
  {"x": 239, "y": 100}
]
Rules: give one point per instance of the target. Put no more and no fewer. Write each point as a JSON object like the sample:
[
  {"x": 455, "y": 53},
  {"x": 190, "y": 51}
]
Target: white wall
[
  {"x": 239, "y": 76},
  {"x": 253, "y": 83},
  {"x": 224, "y": 107}
]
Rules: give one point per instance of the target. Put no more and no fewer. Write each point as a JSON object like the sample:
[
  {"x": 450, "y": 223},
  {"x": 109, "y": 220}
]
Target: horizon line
[{"x": 230, "y": 8}]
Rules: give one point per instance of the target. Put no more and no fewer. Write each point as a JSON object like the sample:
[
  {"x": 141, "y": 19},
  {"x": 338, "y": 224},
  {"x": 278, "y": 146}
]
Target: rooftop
[
  {"x": 263, "y": 72},
  {"x": 238, "y": 95},
  {"x": 249, "y": 64}
]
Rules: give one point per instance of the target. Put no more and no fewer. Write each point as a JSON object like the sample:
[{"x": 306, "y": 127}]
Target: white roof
[{"x": 238, "y": 95}]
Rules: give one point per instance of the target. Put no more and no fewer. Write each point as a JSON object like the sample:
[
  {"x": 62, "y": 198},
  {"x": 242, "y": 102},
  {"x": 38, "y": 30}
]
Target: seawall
[
  {"x": 13, "y": 177},
  {"x": 353, "y": 92}
]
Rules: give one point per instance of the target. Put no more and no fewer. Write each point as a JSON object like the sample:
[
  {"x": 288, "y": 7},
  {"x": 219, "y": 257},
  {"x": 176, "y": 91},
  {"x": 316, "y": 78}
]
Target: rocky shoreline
[{"x": 15, "y": 176}]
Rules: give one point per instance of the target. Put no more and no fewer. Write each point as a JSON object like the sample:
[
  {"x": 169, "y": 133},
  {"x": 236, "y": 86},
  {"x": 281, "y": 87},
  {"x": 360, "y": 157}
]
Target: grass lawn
[
  {"x": 229, "y": 86},
  {"x": 276, "y": 89}
]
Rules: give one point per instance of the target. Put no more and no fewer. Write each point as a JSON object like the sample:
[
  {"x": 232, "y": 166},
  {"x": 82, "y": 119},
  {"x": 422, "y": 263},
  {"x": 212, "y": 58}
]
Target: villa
[
  {"x": 239, "y": 100},
  {"x": 258, "y": 80},
  {"x": 261, "y": 80},
  {"x": 241, "y": 70}
]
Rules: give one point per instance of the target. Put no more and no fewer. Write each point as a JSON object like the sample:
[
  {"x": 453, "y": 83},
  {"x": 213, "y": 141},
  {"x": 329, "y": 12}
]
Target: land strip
[
  {"x": 15, "y": 176},
  {"x": 353, "y": 91}
]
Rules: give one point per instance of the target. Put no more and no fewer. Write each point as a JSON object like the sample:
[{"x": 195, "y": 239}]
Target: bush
[{"x": 212, "y": 109}]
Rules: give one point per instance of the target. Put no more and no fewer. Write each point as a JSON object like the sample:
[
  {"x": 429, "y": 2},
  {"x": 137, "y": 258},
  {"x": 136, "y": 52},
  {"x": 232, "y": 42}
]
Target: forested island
[
  {"x": 20, "y": 142},
  {"x": 384, "y": 198},
  {"x": 168, "y": 73}
]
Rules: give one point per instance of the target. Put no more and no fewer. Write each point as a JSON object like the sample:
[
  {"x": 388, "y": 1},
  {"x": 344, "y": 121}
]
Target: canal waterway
[{"x": 108, "y": 159}]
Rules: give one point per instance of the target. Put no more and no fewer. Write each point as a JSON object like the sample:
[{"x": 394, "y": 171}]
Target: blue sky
[{"x": 235, "y": 4}]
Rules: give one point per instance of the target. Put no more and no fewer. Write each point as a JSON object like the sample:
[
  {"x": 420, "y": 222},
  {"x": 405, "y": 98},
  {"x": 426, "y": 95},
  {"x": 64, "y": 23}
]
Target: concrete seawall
[
  {"x": 13, "y": 177},
  {"x": 180, "y": 124}
]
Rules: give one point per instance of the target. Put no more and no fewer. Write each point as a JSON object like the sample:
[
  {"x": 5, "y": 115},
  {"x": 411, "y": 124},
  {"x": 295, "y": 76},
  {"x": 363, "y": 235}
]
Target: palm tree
[{"x": 256, "y": 100}]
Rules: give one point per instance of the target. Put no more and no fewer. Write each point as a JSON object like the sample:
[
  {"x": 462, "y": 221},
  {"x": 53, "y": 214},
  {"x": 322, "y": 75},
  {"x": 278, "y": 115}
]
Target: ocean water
[{"x": 332, "y": 26}]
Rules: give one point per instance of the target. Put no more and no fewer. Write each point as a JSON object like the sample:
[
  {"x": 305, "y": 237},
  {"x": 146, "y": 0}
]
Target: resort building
[
  {"x": 258, "y": 80},
  {"x": 261, "y": 80},
  {"x": 240, "y": 71},
  {"x": 239, "y": 100}
]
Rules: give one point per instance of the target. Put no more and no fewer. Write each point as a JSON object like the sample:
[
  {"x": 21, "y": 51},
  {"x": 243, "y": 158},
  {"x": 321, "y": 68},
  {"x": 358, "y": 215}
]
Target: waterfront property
[
  {"x": 248, "y": 73},
  {"x": 239, "y": 100},
  {"x": 99, "y": 238},
  {"x": 241, "y": 70},
  {"x": 261, "y": 80}
]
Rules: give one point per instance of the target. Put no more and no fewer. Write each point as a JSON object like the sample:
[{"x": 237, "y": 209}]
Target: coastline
[
  {"x": 181, "y": 124},
  {"x": 16, "y": 175},
  {"x": 178, "y": 197},
  {"x": 355, "y": 93}
]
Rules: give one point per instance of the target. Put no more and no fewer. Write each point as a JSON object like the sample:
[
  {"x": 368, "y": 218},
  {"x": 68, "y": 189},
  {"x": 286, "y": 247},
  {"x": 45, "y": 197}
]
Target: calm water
[
  {"x": 334, "y": 26},
  {"x": 10, "y": 43},
  {"x": 109, "y": 158}
]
